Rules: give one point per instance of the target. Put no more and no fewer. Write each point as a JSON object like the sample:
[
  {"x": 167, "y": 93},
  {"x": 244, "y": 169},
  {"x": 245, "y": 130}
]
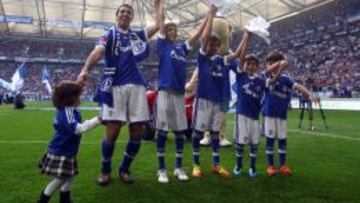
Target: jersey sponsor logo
[
  {"x": 174, "y": 55},
  {"x": 216, "y": 70},
  {"x": 282, "y": 92},
  {"x": 248, "y": 91}
]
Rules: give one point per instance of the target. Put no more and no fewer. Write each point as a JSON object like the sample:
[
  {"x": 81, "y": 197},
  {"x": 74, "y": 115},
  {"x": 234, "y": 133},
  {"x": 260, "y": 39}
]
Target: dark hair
[
  {"x": 167, "y": 25},
  {"x": 66, "y": 94},
  {"x": 252, "y": 57},
  {"x": 274, "y": 56},
  {"x": 124, "y": 5},
  {"x": 215, "y": 38}
]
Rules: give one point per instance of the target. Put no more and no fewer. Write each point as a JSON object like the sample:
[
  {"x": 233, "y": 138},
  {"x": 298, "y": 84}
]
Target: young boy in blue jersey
[
  {"x": 277, "y": 97},
  {"x": 60, "y": 160},
  {"x": 250, "y": 89},
  {"x": 170, "y": 107},
  {"x": 207, "y": 110},
  {"x": 121, "y": 92}
]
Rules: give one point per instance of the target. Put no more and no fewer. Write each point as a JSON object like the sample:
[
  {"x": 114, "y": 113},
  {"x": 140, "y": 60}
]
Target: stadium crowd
[{"x": 323, "y": 46}]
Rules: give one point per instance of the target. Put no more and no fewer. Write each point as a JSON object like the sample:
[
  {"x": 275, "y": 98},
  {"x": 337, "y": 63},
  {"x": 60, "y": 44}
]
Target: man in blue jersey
[
  {"x": 277, "y": 97},
  {"x": 207, "y": 110},
  {"x": 122, "y": 89},
  {"x": 170, "y": 107}
]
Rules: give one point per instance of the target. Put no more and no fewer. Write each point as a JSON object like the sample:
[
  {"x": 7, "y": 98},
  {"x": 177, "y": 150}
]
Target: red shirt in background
[
  {"x": 189, "y": 107},
  {"x": 151, "y": 97}
]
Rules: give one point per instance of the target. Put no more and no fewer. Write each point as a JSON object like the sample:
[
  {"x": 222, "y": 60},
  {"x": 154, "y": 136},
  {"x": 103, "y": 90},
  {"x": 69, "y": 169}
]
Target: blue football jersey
[
  {"x": 212, "y": 71},
  {"x": 119, "y": 54},
  {"x": 65, "y": 142},
  {"x": 250, "y": 90},
  {"x": 277, "y": 97},
  {"x": 172, "y": 64}
]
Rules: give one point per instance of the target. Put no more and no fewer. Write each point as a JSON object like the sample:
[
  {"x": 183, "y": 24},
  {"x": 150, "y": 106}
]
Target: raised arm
[
  {"x": 192, "y": 40},
  {"x": 94, "y": 57},
  {"x": 152, "y": 29},
  {"x": 206, "y": 34},
  {"x": 161, "y": 19},
  {"x": 307, "y": 93},
  {"x": 241, "y": 49}
]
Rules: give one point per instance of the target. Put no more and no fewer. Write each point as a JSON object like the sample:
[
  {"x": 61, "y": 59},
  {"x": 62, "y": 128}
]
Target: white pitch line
[
  {"x": 316, "y": 133},
  {"x": 326, "y": 135}
]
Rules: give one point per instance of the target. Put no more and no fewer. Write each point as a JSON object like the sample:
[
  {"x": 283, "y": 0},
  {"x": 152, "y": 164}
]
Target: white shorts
[
  {"x": 206, "y": 115},
  {"x": 130, "y": 105},
  {"x": 247, "y": 130},
  {"x": 275, "y": 127},
  {"x": 170, "y": 111}
]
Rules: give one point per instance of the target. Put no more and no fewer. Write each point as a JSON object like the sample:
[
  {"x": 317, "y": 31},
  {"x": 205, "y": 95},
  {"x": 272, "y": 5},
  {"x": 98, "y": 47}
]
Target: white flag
[{"x": 45, "y": 79}]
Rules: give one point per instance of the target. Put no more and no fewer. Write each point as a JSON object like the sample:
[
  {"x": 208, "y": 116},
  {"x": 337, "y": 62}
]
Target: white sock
[
  {"x": 53, "y": 186},
  {"x": 66, "y": 186}
]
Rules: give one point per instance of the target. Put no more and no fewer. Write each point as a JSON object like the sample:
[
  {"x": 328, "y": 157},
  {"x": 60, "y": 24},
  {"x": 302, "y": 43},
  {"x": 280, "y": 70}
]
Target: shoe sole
[{"x": 181, "y": 179}]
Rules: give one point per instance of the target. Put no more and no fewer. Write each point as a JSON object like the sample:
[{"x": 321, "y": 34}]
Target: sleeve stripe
[
  {"x": 69, "y": 115},
  {"x": 188, "y": 47}
]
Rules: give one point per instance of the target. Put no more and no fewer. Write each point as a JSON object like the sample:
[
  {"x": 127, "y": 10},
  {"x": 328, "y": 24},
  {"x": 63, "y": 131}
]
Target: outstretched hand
[
  {"x": 82, "y": 78},
  {"x": 314, "y": 99}
]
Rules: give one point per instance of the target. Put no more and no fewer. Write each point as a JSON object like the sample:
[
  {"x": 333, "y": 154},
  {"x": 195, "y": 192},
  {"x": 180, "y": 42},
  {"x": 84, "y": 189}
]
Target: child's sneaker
[
  {"x": 271, "y": 170},
  {"x": 220, "y": 170},
  {"x": 205, "y": 141},
  {"x": 126, "y": 177},
  {"x": 162, "y": 176},
  {"x": 252, "y": 173},
  {"x": 285, "y": 170},
  {"x": 237, "y": 171},
  {"x": 180, "y": 174},
  {"x": 103, "y": 179},
  {"x": 197, "y": 172}
]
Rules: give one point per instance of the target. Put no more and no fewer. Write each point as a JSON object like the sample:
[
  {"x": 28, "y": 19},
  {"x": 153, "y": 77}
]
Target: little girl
[{"x": 60, "y": 159}]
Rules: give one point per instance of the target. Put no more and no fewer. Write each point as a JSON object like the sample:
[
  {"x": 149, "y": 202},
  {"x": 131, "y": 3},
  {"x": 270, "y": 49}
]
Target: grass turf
[{"x": 325, "y": 163}]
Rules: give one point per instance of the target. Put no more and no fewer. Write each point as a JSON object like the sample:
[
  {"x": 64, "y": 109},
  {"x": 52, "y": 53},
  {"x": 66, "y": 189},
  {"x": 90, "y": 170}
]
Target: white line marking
[
  {"x": 315, "y": 133},
  {"x": 326, "y": 135}
]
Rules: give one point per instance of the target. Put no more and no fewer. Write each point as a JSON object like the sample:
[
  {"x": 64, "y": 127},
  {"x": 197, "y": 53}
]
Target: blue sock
[
  {"x": 253, "y": 151},
  {"x": 107, "y": 151},
  {"x": 196, "y": 137},
  {"x": 216, "y": 146},
  {"x": 282, "y": 151},
  {"x": 239, "y": 154},
  {"x": 132, "y": 149},
  {"x": 161, "y": 144},
  {"x": 179, "y": 144},
  {"x": 270, "y": 150}
]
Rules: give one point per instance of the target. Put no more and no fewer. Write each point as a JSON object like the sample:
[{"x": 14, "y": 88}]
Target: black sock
[
  {"x": 43, "y": 198},
  {"x": 65, "y": 197}
]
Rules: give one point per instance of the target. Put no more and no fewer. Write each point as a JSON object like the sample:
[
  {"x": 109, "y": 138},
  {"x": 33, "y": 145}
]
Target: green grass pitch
[{"x": 326, "y": 165}]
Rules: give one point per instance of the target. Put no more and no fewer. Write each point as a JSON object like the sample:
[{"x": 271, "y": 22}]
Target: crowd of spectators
[{"x": 322, "y": 44}]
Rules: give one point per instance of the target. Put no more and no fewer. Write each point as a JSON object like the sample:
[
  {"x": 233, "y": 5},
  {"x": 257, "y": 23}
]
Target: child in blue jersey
[
  {"x": 276, "y": 100},
  {"x": 207, "y": 110},
  {"x": 250, "y": 89},
  {"x": 170, "y": 107},
  {"x": 60, "y": 160}
]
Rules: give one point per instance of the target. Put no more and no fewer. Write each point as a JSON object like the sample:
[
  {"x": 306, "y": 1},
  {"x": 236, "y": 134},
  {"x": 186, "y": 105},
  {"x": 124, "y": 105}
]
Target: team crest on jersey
[{"x": 106, "y": 85}]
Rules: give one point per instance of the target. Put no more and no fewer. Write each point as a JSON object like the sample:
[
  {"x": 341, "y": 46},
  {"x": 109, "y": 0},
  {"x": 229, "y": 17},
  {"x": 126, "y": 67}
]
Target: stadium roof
[{"x": 89, "y": 18}]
